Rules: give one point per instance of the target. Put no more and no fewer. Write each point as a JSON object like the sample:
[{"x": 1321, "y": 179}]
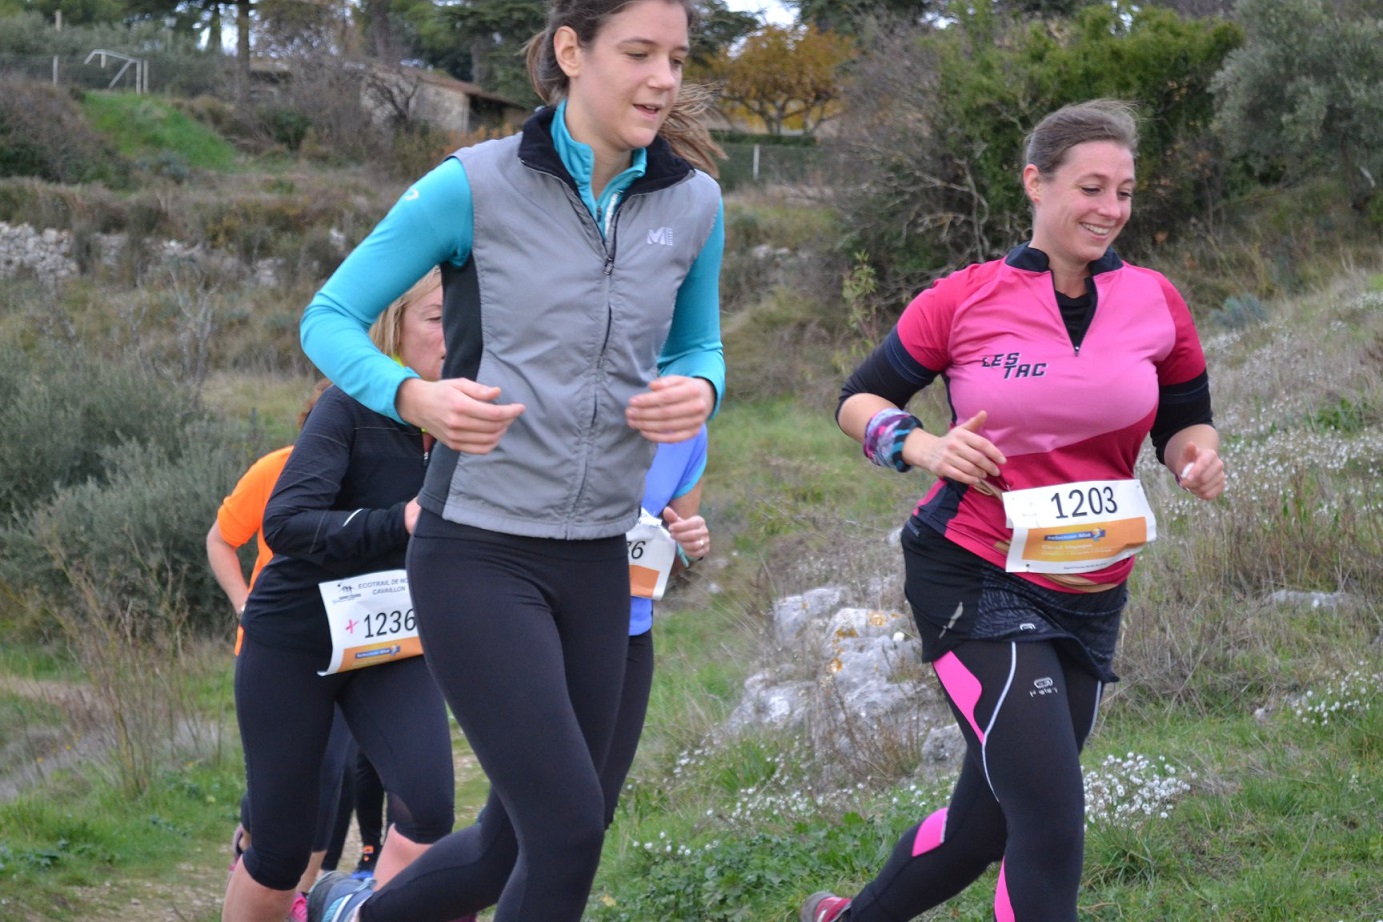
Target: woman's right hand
[
  {"x": 458, "y": 412},
  {"x": 962, "y": 454}
]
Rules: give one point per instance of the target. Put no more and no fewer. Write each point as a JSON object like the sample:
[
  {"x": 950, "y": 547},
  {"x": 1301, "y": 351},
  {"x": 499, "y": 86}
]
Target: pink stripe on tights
[
  {"x": 1003, "y": 909},
  {"x": 960, "y": 683},
  {"x": 930, "y": 833}
]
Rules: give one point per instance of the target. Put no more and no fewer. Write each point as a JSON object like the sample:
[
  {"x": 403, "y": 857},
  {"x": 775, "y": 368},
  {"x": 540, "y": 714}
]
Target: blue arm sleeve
[
  {"x": 431, "y": 223},
  {"x": 696, "y": 465},
  {"x": 693, "y": 346}
]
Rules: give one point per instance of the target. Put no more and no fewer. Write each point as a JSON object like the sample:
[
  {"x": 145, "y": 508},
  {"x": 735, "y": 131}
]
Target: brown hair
[
  {"x": 322, "y": 385},
  {"x": 684, "y": 129},
  {"x": 1096, "y": 120},
  {"x": 387, "y": 330}
]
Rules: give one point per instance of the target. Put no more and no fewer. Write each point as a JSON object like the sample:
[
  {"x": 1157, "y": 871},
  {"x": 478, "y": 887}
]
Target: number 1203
[{"x": 1092, "y": 501}]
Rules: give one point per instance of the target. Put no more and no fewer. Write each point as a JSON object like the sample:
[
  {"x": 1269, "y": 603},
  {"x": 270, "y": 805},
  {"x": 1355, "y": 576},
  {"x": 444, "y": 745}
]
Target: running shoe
[
  {"x": 299, "y": 911},
  {"x": 365, "y": 868},
  {"x": 823, "y": 907},
  {"x": 336, "y": 897}
]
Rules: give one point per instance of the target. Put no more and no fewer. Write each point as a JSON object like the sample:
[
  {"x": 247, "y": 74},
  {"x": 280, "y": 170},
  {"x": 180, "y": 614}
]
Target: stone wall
[{"x": 46, "y": 255}]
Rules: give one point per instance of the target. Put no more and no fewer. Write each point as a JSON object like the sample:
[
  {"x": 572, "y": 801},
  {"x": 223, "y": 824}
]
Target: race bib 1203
[{"x": 1077, "y": 527}]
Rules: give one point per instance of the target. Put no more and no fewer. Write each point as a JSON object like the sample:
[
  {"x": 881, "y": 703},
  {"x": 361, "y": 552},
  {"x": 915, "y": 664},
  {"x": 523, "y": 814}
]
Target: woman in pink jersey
[{"x": 1059, "y": 360}]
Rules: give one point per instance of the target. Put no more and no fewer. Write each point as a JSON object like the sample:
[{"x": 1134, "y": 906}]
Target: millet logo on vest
[
  {"x": 661, "y": 235},
  {"x": 1013, "y": 365}
]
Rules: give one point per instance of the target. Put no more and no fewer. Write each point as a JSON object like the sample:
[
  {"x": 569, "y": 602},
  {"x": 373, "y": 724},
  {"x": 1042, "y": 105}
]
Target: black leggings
[
  {"x": 336, "y": 762},
  {"x": 1025, "y": 710},
  {"x": 483, "y": 854},
  {"x": 285, "y": 712},
  {"x": 361, "y": 795},
  {"x": 633, "y": 708},
  {"x": 527, "y": 638},
  {"x": 369, "y": 803}
]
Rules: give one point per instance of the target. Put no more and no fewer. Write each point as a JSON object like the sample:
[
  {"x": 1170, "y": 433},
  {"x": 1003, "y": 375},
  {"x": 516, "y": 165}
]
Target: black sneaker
[{"x": 336, "y": 897}]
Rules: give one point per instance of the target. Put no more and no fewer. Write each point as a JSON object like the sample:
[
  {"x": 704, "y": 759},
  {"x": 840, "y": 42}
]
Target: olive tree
[
  {"x": 929, "y": 146},
  {"x": 1305, "y": 91}
]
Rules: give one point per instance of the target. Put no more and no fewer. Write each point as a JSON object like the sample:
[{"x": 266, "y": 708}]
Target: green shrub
[
  {"x": 286, "y": 126},
  {"x": 63, "y": 409},
  {"x": 1328, "y": 108},
  {"x": 43, "y": 135},
  {"x": 110, "y": 476},
  {"x": 932, "y": 131},
  {"x": 134, "y": 538},
  {"x": 1239, "y": 312},
  {"x": 719, "y": 881}
]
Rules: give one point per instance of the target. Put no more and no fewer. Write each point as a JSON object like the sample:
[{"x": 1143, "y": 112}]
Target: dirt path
[
  {"x": 30, "y": 755},
  {"x": 191, "y": 890}
]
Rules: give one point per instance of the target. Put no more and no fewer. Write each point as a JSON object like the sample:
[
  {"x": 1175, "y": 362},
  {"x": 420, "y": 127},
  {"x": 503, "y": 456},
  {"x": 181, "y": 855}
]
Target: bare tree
[{"x": 391, "y": 92}]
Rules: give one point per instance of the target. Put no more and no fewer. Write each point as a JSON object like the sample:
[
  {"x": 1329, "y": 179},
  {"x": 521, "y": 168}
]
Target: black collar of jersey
[
  {"x": 538, "y": 151},
  {"x": 1030, "y": 259}
]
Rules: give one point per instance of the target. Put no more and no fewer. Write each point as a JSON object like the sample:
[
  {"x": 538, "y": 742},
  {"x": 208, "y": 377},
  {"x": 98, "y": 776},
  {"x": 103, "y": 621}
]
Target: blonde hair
[
  {"x": 684, "y": 129},
  {"x": 387, "y": 330}
]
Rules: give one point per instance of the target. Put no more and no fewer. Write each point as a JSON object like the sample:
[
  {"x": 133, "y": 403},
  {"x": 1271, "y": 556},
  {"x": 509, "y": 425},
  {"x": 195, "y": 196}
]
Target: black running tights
[
  {"x": 527, "y": 638},
  {"x": 1025, "y": 710}
]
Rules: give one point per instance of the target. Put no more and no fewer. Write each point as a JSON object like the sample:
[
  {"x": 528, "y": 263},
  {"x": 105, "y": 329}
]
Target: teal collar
[{"x": 579, "y": 160}]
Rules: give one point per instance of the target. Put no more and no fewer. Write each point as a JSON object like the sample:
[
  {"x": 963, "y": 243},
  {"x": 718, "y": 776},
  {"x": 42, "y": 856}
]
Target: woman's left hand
[
  {"x": 672, "y": 409},
  {"x": 690, "y": 532},
  {"x": 1200, "y": 471}
]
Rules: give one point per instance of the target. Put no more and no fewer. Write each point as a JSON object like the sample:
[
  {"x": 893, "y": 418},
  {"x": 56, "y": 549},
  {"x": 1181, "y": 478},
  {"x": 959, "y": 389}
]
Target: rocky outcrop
[{"x": 852, "y": 680}]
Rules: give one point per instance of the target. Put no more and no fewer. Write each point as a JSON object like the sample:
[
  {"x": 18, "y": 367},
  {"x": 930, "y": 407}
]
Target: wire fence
[
  {"x": 765, "y": 163},
  {"x": 758, "y": 162},
  {"x": 102, "y": 69}
]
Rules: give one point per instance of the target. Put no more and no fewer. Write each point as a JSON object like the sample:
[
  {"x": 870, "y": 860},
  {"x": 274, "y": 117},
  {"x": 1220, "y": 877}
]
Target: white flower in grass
[{"x": 1124, "y": 789}]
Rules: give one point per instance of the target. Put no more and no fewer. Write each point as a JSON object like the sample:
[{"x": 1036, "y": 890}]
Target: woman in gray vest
[{"x": 580, "y": 261}]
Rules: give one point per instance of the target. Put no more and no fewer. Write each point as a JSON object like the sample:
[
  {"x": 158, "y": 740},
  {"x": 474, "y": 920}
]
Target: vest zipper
[
  {"x": 609, "y": 238},
  {"x": 612, "y": 232}
]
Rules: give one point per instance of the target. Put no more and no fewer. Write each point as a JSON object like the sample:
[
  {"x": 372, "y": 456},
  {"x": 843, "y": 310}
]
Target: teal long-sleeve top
[{"x": 433, "y": 223}]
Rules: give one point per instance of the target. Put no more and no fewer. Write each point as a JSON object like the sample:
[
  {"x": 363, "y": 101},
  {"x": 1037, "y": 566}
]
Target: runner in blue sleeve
[
  {"x": 580, "y": 260},
  {"x": 483, "y": 855}
]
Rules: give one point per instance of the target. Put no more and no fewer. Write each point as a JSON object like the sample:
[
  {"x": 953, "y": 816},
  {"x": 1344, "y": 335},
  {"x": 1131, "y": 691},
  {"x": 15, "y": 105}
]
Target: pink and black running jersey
[{"x": 1058, "y": 412}]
